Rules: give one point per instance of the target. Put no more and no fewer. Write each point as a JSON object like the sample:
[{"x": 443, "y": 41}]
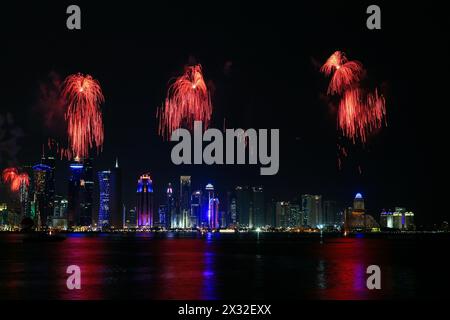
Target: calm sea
[{"x": 225, "y": 266}]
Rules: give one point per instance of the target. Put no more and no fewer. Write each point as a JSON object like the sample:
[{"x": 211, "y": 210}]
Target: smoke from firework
[
  {"x": 188, "y": 100},
  {"x": 83, "y": 97}
]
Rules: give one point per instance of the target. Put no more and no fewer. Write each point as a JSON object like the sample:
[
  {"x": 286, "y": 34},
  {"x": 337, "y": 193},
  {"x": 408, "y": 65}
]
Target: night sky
[{"x": 261, "y": 64}]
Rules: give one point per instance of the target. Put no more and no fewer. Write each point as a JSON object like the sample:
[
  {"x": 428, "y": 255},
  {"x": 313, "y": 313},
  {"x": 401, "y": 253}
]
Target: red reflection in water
[{"x": 342, "y": 269}]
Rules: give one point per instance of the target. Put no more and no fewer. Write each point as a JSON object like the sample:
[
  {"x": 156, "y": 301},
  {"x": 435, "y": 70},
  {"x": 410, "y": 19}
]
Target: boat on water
[{"x": 43, "y": 237}]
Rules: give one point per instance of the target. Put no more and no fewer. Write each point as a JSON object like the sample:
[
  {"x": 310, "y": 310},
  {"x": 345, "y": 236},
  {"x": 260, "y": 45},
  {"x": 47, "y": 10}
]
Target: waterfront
[{"x": 223, "y": 266}]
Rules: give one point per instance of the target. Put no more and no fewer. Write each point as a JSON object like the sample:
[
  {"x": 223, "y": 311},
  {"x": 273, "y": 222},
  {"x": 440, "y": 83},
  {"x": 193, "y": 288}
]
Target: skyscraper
[
  {"x": 196, "y": 208},
  {"x": 74, "y": 192},
  {"x": 213, "y": 208},
  {"x": 282, "y": 214},
  {"x": 312, "y": 209},
  {"x": 104, "y": 210},
  {"x": 172, "y": 217},
  {"x": 87, "y": 196},
  {"x": 145, "y": 202},
  {"x": 42, "y": 196},
  {"x": 258, "y": 210},
  {"x": 185, "y": 197},
  {"x": 116, "y": 204},
  {"x": 331, "y": 213},
  {"x": 244, "y": 206}
]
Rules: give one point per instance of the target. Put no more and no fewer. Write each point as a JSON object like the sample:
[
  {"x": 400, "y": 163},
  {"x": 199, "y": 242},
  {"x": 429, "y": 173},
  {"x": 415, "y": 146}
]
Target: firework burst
[
  {"x": 188, "y": 100},
  {"x": 83, "y": 96},
  {"x": 344, "y": 73},
  {"x": 360, "y": 111},
  {"x": 15, "y": 179}
]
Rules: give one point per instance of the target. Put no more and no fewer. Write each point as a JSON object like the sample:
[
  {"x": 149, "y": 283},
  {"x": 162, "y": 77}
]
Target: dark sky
[{"x": 273, "y": 82}]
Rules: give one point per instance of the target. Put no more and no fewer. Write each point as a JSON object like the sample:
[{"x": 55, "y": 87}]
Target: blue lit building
[
  {"x": 104, "y": 212},
  {"x": 74, "y": 193}
]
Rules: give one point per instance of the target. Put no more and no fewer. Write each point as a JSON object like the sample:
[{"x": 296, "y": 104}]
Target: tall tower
[
  {"x": 116, "y": 205},
  {"x": 74, "y": 192},
  {"x": 145, "y": 202},
  {"x": 258, "y": 217},
  {"x": 104, "y": 210},
  {"x": 171, "y": 218},
  {"x": 196, "y": 208},
  {"x": 87, "y": 188},
  {"x": 41, "y": 194},
  {"x": 312, "y": 209},
  {"x": 185, "y": 197},
  {"x": 244, "y": 206}
]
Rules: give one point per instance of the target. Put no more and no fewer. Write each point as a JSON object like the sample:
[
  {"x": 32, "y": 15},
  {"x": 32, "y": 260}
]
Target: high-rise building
[
  {"x": 331, "y": 216},
  {"x": 144, "y": 206},
  {"x": 295, "y": 216},
  {"x": 116, "y": 204},
  {"x": 403, "y": 219},
  {"x": 213, "y": 213},
  {"x": 244, "y": 206},
  {"x": 282, "y": 214},
  {"x": 312, "y": 209},
  {"x": 42, "y": 195},
  {"x": 196, "y": 209},
  {"x": 172, "y": 219},
  {"x": 131, "y": 219},
  {"x": 60, "y": 206},
  {"x": 185, "y": 197},
  {"x": 104, "y": 209},
  {"x": 87, "y": 196},
  {"x": 162, "y": 215},
  {"x": 74, "y": 192},
  {"x": 258, "y": 209},
  {"x": 387, "y": 219}
]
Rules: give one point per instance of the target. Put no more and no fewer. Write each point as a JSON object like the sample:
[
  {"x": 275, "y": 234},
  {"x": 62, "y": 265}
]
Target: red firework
[
  {"x": 9, "y": 174},
  {"x": 188, "y": 100},
  {"x": 15, "y": 179},
  {"x": 83, "y": 96},
  {"x": 360, "y": 113},
  {"x": 344, "y": 73}
]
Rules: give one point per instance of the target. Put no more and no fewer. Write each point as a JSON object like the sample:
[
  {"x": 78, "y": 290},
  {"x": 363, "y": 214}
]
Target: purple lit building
[{"x": 144, "y": 202}]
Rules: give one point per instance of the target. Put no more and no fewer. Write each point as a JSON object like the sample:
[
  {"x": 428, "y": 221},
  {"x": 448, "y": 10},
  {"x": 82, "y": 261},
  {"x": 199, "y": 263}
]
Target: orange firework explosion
[
  {"x": 83, "y": 96},
  {"x": 187, "y": 100},
  {"x": 359, "y": 114},
  {"x": 15, "y": 179},
  {"x": 346, "y": 73}
]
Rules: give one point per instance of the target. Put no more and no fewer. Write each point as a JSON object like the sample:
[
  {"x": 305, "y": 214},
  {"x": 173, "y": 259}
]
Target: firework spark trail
[
  {"x": 83, "y": 96},
  {"x": 344, "y": 73},
  {"x": 188, "y": 100},
  {"x": 360, "y": 113}
]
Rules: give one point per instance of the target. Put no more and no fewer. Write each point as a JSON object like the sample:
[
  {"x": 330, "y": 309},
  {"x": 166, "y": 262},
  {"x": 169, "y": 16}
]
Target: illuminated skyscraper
[
  {"x": 185, "y": 197},
  {"x": 214, "y": 218},
  {"x": 172, "y": 217},
  {"x": 104, "y": 211},
  {"x": 312, "y": 209},
  {"x": 145, "y": 201},
  {"x": 42, "y": 196},
  {"x": 196, "y": 208},
  {"x": 87, "y": 197}
]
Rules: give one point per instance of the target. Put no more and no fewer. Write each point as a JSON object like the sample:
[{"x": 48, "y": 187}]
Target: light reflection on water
[{"x": 212, "y": 266}]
